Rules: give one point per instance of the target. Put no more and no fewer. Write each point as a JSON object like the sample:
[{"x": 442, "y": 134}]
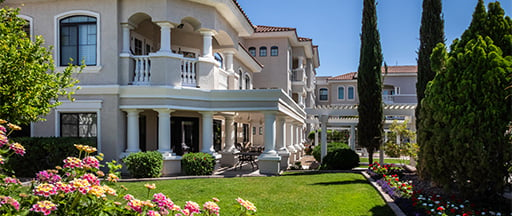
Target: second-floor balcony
[
  {"x": 399, "y": 98},
  {"x": 142, "y": 72}
]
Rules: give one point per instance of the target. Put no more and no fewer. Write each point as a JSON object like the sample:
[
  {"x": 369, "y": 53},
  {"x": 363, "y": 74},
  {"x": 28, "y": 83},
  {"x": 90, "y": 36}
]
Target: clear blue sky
[{"x": 335, "y": 25}]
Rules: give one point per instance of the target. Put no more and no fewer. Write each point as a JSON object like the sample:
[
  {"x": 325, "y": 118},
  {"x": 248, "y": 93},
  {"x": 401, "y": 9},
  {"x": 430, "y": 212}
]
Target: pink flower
[
  {"x": 17, "y": 148},
  {"x": 3, "y": 140},
  {"x": 153, "y": 213},
  {"x": 91, "y": 162},
  {"x": 193, "y": 207},
  {"x": 91, "y": 178},
  {"x": 46, "y": 207},
  {"x": 45, "y": 190},
  {"x": 72, "y": 162},
  {"x": 49, "y": 176},
  {"x": 11, "y": 180},
  {"x": 162, "y": 201},
  {"x": 63, "y": 187},
  {"x": 11, "y": 201},
  {"x": 128, "y": 197},
  {"x": 136, "y": 205},
  {"x": 211, "y": 207}
]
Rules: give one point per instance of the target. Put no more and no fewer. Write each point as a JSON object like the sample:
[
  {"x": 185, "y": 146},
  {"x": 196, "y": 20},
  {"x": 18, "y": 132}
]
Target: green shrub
[
  {"x": 144, "y": 164},
  {"x": 330, "y": 148},
  {"x": 340, "y": 159},
  {"x": 198, "y": 163},
  {"x": 44, "y": 153}
]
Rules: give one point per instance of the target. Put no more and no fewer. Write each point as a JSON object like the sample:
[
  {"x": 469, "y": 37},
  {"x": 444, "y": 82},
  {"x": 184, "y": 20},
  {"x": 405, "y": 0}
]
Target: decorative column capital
[
  {"x": 207, "y": 32},
  {"x": 127, "y": 26},
  {"x": 164, "y": 110},
  {"x": 207, "y": 113},
  {"x": 165, "y": 24},
  {"x": 132, "y": 111}
]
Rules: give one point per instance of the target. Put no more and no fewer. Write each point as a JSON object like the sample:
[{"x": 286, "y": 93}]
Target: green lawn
[
  {"x": 386, "y": 160},
  {"x": 313, "y": 194}
]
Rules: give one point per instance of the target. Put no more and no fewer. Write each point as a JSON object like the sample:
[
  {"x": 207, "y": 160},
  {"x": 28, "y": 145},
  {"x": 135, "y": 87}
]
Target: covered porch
[{"x": 175, "y": 121}]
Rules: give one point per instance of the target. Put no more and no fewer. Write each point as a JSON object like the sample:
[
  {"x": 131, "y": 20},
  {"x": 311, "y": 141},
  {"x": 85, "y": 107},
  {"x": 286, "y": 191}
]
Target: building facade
[{"x": 177, "y": 76}]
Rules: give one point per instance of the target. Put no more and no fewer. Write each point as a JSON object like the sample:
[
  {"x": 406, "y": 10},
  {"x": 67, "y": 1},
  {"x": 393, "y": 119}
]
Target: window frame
[
  {"x": 57, "y": 41},
  {"x": 326, "y": 94},
  {"x": 263, "y": 51},
  {"x": 343, "y": 93},
  {"x": 252, "y": 51},
  {"x": 80, "y": 106},
  {"x": 272, "y": 49},
  {"x": 78, "y": 123},
  {"x": 30, "y": 22},
  {"x": 353, "y": 93}
]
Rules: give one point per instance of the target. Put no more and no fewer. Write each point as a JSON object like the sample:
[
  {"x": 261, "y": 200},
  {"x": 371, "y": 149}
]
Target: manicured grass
[
  {"x": 312, "y": 194},
  {"x": 386, "y": 160}
]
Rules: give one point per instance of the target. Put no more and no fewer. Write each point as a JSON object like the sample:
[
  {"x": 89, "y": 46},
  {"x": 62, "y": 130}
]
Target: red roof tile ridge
[
  {"x": 265, "y": 28},
  {"x": 243, "y": 12}
]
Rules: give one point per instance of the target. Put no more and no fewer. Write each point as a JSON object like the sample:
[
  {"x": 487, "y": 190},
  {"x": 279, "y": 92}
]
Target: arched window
[
  {"x": 219, "y": 59},
  {"x": 240, "y": 79},
  {"x": 252, "y": 51},
  {"x": 274, "y": 51},
  {"x": 247, "y": 82},
  {"x": 341, "y": 93},
  {"x": 78, "y": 35},
  {"x": 263, "y": 51},
  {"x": 324, "y": 94},
  {"x": 350, "y": 93}
]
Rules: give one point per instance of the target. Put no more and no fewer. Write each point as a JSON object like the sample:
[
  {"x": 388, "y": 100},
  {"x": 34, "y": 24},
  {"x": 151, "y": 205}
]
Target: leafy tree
[
  {"x": 431, "y": 33},
  {"x": 369, "y": 81},
  {"x": 466, "y": 111},
  {"x": 28, "y": 80},
  {"x": 407, "y": 145}
]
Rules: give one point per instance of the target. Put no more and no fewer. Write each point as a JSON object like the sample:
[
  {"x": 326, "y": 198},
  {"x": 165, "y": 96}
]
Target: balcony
[
  {"x": 400, "y": 98},
  {"x": 143, "y": 71}
]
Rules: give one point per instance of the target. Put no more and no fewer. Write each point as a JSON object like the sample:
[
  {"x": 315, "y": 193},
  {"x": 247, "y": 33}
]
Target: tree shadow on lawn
[
  {"x": 382, "y": 210},
  {"x": 358, "y": 181}
]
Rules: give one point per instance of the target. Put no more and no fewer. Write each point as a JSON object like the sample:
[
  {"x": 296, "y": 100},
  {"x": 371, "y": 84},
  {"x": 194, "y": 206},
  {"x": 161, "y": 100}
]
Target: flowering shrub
[
  {"x": 377, "y": 171},
  {"x": 438, "y": 205},
  {"x": 395, "y": 188},
  {"x": 76, "y": 189},
  {"x": 198, "y": 163}
]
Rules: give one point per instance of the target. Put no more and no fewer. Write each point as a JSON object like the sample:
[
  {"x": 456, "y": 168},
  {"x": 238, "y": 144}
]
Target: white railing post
[
  {"x": 142, "y": 70},
  {"x": 188, "y": 72}
]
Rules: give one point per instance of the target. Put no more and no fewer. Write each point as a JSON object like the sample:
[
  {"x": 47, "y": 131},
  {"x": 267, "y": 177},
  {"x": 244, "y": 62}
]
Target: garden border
[{"x": 386, "y": 197}]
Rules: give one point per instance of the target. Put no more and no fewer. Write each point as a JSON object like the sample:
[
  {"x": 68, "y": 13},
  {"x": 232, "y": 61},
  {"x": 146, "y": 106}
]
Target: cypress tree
[
  {"x": 431, "y": 33},
  {"x": 369, "y": 82},
  {"x": 466, "y": 111}
]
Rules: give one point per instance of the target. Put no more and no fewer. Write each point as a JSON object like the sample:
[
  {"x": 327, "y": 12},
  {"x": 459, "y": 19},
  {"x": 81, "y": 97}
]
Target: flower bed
[
  {"x": 79, "y": 187},
  {"x": 416, "y": 202}
]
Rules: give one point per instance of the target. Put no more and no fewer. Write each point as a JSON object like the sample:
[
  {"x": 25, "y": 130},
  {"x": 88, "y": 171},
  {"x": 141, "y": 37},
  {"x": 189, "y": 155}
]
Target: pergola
[{"x": 347, "y": 116}]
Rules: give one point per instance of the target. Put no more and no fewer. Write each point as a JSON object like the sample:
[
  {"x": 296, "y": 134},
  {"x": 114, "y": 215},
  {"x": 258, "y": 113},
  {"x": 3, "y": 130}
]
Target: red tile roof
[
  {"x": 347, "y": 76},
  {"x": 391, "y": 69},
  {"x": 402, "y": 69},
  {"x": 262, "y": 28},
  {"x": 301, "y": 39},
  {"x": 243, "y": 12}
]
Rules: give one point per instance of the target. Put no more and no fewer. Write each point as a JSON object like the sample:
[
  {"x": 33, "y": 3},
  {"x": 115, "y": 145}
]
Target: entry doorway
[{"x": 185, "y": 135}]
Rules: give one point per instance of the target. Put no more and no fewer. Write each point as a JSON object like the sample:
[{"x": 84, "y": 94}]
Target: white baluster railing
[
  {"x": 188, "y": 72},
  {"x": 142, "y": 70}
]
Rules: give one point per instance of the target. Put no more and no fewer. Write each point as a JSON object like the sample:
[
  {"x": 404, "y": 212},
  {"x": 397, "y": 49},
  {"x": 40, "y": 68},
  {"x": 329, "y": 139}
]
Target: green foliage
[
  {"x": 332, "y": 135},
  {"x": 44, "y": 153},
  {"x": 340, "y": 159},
  {"x": 369, "y": 82},
  {"x": 144, "y": 164},
  {"x": 198, "y": 163},
  {"x": 28, "y": 82},
  {"x": 431, "y": 33},
  {"x": 330, "y": 148},
  {"x": 466, "y": 111},
  {"x": 407, "y": 145}
]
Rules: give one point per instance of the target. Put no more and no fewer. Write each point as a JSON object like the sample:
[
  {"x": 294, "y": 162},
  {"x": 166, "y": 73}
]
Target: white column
[
  {"x": 352, "y": 139},
  {"x": 270, "y": 133},
  {"x": 164, "y": 131},
  {"x": 165, "y": 37},
  {"x": 280, "y": 133},
  {"x": 207, "y": 43},
  {"x": 290, "y": 134},
  {"x": 126, "y": 37},
  {"x": 230, "y": 134},
  {"x": 323, "y": 136},
  {"x": 301, "y": 62},
  {"x": 381, "y": 150},
  {"x": 207, "y": 125},
  {"x": 316, "y": 137},
  {"x": 229, "y": 60},
  {"x": 133, "y": 130}
]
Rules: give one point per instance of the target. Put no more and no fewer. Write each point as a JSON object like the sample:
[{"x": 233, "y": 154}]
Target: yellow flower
[
  {"x": 2, "y": 121},
  {"x": 13, "y": 126},
  {"x": 150, "y": 186}
]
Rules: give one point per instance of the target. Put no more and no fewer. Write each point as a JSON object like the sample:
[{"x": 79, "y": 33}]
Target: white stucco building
[{"x": 176, "y": 76}]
